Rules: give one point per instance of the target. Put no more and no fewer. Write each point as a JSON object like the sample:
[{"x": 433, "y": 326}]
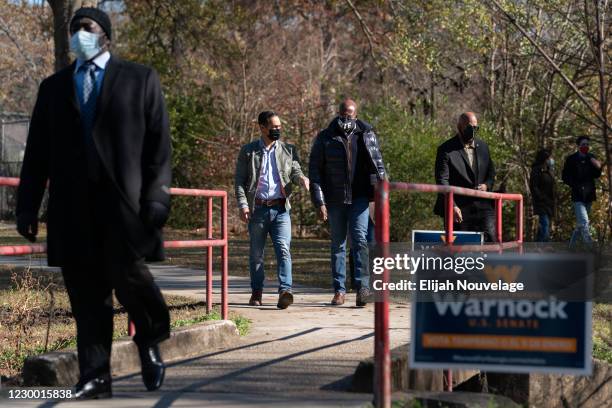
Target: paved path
[{"x": 303, "y": 356}]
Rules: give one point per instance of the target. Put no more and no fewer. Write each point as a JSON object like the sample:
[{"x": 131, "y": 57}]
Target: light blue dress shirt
[{"x": 269, "y": 186}]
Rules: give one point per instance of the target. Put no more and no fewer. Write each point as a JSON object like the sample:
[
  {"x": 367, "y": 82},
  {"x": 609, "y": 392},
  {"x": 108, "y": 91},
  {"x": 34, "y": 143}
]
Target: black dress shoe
[
  {"x": 153, "y": 368},
  {"x": 94, "y": 389}
]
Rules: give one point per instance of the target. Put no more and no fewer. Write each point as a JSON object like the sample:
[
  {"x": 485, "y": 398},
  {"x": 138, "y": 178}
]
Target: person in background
[
  {"x": 542, "y": 186},
  {"x": 100, "y": 135},
  {"x": 579, "y": 173},
  {"x": 464, "y": 161},
  {"x": 345, "y": 163},
  {"x": 266, "y": 169}
]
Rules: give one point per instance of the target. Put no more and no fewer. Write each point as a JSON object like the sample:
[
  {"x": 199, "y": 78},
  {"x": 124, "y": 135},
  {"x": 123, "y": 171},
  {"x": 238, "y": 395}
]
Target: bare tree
[
  {"x": 62, "y": 12},
  {"x": 591, "y": 79},
  {"x": 25, "y": 55}
]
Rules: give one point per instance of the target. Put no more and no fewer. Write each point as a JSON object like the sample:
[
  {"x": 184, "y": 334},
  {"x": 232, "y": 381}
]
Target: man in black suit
[
  {"x": 99, "y": 134},
  {"x": 464, "y": 161}
]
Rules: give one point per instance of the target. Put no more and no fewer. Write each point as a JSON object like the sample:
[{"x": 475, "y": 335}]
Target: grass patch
[
  {"x": 242, "y": 323},
  {"x": 35, "y": 316},
  {"x": 602, "y": 332}
]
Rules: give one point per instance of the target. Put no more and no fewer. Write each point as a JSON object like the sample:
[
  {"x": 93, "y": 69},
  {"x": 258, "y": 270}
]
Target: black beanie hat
[{"x": 96, "y": 15}]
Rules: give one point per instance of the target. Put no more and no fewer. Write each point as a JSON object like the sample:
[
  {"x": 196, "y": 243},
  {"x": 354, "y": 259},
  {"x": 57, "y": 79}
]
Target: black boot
[{"x": 153, "y": 368}]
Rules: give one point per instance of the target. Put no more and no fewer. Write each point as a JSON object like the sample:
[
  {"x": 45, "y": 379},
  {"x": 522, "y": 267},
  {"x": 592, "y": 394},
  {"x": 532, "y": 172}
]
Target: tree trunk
[{"x": 62, "y": 12}]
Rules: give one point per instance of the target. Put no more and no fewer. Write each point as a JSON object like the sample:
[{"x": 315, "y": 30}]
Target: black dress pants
[
  {"x": 110, "y": 265},
  {"x": 479, "y": 220}
]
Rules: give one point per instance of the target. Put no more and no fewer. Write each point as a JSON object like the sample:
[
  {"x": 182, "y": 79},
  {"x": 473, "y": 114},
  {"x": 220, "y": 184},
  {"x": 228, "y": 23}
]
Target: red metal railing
[
  {"x": 382, "y": 355},
  {"x": 207, "y": 243}
]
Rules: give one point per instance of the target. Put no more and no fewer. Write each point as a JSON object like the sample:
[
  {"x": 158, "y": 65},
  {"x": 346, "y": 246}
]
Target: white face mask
[
  {"x": 551, "y": 162},
  {"x": 85, "y": 45}
]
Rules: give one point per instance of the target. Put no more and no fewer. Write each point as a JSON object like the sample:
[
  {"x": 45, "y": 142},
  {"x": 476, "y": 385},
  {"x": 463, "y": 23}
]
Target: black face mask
[
  {"x": 469, "y": 133},
  {"x": 274, "y": 134},
  {"x": 346, "y": 124}
]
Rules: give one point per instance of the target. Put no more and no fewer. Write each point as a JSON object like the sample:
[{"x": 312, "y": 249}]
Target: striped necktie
[
  {"x": 88, "y": 114},
  {"x": 90, "y": 95}
]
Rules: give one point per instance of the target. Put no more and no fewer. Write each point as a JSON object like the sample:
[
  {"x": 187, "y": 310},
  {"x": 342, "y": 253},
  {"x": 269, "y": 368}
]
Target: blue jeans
[
  {"x": 581, "y": 209},
  {"x": 370, "y": 237},
  {"x": 354, "y": 219},
  {"x": 544, "y": 228},
  {"x": 275, "y": 221}
]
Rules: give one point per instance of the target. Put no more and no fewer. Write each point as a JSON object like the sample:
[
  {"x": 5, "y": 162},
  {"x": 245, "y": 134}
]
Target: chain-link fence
[{"x": 13, "y": 136}]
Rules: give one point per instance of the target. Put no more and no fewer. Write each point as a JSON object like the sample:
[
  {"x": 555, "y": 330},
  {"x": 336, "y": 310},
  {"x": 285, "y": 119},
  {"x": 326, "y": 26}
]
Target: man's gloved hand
[
  {"x": 154, "y": 214},
  {"x": 27, "y": 226}
]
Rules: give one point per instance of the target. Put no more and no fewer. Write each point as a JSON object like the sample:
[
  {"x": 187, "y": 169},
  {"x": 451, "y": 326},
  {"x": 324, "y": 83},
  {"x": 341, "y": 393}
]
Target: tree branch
[
  {"x": 581, "y": 97},
  {"x": 365, "y": 29},
  {"x": 5, "y": 30}
]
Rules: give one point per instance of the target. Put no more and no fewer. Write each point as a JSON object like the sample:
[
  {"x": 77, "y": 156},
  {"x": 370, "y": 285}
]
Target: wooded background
[{"x": 535, "y": 72}]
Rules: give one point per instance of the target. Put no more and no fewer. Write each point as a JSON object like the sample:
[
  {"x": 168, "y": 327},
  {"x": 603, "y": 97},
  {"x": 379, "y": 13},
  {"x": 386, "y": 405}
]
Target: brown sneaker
[
  {"x": 285, "y": 298},
  {"x": 338, "y": 299},
  {"x": 255, "y": 298}
]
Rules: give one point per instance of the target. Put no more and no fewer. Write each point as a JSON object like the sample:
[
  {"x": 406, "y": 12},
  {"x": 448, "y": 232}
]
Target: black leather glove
[
  {"x": 154, "y": 214},
  {"x": 27, "y": 226}
]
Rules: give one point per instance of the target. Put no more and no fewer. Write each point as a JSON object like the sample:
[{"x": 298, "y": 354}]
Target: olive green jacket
[{"x": 249, "y": 164}]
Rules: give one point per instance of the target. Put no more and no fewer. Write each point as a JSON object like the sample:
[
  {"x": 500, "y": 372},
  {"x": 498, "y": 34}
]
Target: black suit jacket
[
  {"x": 453, "y": 169},
  {"x": 131, "y": 134}
]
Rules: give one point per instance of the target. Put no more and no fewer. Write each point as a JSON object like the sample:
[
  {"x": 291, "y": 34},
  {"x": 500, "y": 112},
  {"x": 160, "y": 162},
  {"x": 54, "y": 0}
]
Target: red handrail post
[
  {"x": 450, "y": 217},
  {"x": 224, "y": 260},
  {"x": 382, "y": 355},
  {"x": 498, "y": 219},
  {"x": 519, "y": 221},
  {"x": 209, "y": 256},
  {"x": 23, "y": 249},
  {"x": 382, "y": 212},
  {"x": 131, "y": 327}
]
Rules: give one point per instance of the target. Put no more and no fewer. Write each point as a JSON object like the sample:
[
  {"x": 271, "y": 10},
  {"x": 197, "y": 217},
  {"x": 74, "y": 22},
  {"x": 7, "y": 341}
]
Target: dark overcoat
[{"x": 131, "y": 135}]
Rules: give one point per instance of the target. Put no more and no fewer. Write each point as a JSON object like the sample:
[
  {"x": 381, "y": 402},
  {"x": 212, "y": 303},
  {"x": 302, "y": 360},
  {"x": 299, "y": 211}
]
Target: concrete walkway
[{"x": 299, "y": 357}]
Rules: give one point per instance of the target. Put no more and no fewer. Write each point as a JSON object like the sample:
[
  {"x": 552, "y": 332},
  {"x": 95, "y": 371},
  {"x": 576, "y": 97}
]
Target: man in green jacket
[{"x": 266, "y": 169}]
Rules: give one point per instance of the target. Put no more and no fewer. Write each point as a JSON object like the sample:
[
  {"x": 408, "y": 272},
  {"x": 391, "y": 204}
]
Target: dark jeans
[
  {"x": 351, "y": 219},
  {"x": 276, "y": 222},
  {"x": 543, "y": 228},
  {"x": 582, "y": 230},
  {"x": 370, "y": 237},
  {"x": 90, "y": 284}
]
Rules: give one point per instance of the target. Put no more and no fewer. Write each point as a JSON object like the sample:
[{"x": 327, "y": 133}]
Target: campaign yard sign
[
  {"x": 505, "y": 334},
  {"x": 423, "y": 239}
]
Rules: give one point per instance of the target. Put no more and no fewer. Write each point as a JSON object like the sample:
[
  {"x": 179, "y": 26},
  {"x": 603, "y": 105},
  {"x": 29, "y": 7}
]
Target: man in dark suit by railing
[
  {"x": 464, "y": 161},
  {"x": 99, "y": 133}
]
